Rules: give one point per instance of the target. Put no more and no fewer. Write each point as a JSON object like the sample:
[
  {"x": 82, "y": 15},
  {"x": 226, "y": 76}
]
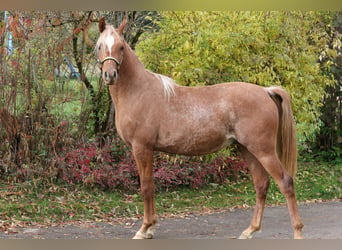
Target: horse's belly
[
  {"x": 196, "y": 129},
  {"x": 194, "y": 144}
]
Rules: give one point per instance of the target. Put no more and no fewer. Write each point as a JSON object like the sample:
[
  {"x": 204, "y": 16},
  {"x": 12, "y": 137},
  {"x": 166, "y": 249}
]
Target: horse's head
[{"x": 109, "y": 49}]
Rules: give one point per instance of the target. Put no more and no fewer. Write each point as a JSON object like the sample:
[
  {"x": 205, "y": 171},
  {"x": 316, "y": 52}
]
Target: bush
[
  {"x": 29, "y": 143},
  {"x": 115, "y": 169}
]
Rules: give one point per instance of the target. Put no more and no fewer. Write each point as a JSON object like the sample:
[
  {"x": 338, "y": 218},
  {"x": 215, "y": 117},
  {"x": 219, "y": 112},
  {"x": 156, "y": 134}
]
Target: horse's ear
[
  {"x": 102, "y": 24},
  {"x": 122, "y": 25}
]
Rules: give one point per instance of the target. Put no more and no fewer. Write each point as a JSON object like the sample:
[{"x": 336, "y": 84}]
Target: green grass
[{"x": 32, "y": 202}]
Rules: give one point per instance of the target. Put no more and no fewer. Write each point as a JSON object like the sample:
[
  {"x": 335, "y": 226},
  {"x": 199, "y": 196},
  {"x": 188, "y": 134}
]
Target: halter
[
  {"x": 118, "y": 63},
  {"x": 109, "y": 58}
]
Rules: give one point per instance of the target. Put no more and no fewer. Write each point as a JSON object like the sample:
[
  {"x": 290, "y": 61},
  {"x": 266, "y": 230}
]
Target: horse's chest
[
  {"x": 123, "y": 129},
  {"x": 127, "y": 128},
  {"x": 120, "y": 132}
]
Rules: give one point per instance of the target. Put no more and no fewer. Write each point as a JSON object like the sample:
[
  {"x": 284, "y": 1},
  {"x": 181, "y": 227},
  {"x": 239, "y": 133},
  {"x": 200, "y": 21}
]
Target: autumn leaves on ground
[{"x": 26, "y": 204}]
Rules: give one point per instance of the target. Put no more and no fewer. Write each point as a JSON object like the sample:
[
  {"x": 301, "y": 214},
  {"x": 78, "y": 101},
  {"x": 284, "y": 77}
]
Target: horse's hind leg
[
  {"x": 261, "y": 184},
  {"x": 284, "y": 181}
]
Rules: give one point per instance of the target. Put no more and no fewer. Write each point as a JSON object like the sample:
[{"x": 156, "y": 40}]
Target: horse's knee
[
  {"x": 146, "y": 191},
  {"x": 147, "y": 188}
]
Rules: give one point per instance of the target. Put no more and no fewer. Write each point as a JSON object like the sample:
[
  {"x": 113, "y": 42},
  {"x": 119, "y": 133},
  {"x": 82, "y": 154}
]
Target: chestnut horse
[{"x": 153, "y": 113}]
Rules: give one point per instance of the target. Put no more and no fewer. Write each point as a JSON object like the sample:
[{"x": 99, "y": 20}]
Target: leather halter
[{"x": 109, "y": 58}]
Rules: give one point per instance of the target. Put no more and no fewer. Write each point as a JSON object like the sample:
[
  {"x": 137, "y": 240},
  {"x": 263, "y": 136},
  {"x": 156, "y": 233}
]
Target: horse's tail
[{"x": 286, "y": 140}]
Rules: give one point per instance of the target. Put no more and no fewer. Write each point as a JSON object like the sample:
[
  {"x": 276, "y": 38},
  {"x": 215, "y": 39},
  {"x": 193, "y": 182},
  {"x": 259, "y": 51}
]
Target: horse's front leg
[{"x": 144, "y": 158}]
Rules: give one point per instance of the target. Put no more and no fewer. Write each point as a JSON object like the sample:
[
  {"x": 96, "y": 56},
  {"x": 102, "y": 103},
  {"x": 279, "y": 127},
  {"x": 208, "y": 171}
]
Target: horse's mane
[{"x": 168, "y": 84}]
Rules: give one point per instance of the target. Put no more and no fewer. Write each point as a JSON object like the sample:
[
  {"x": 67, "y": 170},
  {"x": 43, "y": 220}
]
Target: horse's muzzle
[{"x": 110, "y": 76}]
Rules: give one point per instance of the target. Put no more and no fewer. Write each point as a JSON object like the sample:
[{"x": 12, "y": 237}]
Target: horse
[{"x": 154, "y": 113}]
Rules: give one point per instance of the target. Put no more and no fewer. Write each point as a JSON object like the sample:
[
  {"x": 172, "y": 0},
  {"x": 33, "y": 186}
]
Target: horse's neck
[
  {"x": 130, "y": 76},
  {"x": 131, "y": 65}
]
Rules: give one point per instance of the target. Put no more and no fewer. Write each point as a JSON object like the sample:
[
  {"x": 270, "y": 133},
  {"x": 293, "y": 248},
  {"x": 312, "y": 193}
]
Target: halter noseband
[{"x": 118, "y": 63}]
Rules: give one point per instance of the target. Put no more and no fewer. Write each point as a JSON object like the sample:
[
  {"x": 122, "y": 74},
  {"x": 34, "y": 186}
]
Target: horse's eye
[
  {"x": 99, "y": 47},
  {"x": 122, "y": 47}
]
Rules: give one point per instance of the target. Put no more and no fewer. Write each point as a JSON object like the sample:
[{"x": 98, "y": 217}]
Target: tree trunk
[{"x": 78, "y": 55}]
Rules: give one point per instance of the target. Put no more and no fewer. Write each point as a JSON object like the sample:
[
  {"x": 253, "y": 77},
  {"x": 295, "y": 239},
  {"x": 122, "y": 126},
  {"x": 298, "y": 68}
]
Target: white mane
[{"x": 168, "y": 84}]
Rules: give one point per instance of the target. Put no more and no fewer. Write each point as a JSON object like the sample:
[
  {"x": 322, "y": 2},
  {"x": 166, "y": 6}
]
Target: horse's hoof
[
  {"x": 245, "y": 236},
  {"x": 150, "y": 233},
  {"x": 298, "y": 237},
  {"x": 140, "y": 235}
]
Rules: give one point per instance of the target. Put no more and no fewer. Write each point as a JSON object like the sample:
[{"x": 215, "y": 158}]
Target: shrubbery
[{"x": 115, "y": 169}]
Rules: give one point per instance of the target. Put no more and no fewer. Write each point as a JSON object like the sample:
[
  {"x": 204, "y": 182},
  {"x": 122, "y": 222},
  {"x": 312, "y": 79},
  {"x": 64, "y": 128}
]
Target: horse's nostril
[{"x": 110, "y": 75}]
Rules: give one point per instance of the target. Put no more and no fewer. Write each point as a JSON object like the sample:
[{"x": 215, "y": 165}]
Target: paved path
[{"x": 321, "y": 220}]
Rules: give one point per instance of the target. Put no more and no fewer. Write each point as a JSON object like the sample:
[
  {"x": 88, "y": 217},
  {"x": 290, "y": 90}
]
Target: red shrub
[{"x": 114, "y": 168}]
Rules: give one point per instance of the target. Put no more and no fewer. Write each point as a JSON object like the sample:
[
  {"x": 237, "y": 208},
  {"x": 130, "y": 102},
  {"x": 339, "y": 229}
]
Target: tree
[
  {"x": 265, "y": 48},
  {"x": 44, "y": 113},
  {"x": 329, "y": 138},
  {"x": 23, "y": 99}
]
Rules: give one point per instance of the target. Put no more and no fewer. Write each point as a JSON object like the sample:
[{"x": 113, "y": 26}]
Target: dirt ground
[{"x": 321, "y": 220}]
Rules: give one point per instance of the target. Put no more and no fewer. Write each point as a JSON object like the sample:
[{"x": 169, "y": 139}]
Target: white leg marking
[
  {"x": 148, "y": 235},
  {"x": 141, "y": 236},
  {"x": 245, "y": 236},
  {"x": 150, "y": 232}
]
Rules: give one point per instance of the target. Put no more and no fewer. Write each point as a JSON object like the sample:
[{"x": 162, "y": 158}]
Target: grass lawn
[{"x": 33, "y": 202}]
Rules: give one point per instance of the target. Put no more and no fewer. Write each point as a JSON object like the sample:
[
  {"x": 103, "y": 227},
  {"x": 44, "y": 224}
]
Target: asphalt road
[{"x": 321, "y": 220}]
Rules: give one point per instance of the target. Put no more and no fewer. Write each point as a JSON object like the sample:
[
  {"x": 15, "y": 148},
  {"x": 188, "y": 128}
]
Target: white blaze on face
[{"x": 110, "y": 42}]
